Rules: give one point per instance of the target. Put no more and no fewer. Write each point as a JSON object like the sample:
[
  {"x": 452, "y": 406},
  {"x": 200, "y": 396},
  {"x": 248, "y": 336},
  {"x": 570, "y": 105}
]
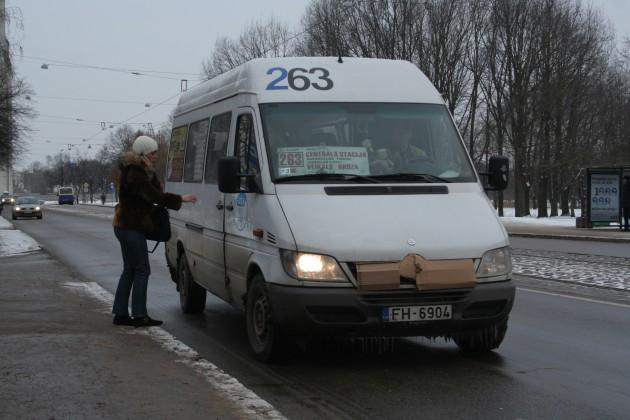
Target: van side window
[
  {"x": 175, "y": 165},
  {"x": 196, "y": 151},
  {"x": 246, "y": 147},
  {"x": 217, "y": 145}
]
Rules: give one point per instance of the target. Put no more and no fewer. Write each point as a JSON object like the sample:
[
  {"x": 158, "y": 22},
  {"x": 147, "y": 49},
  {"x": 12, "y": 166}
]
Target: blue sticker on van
[{"x": 241, "y": 199}]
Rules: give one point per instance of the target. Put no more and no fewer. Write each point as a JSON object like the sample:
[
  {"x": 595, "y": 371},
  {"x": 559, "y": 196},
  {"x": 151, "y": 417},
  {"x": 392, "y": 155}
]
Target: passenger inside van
[
  {"x": 323, "y": 139},
  {"x": 400, "y": 154}
]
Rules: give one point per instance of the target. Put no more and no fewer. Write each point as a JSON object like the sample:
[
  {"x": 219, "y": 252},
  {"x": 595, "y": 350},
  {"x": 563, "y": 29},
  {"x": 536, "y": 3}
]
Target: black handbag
[{"x": 161, "y": 226}]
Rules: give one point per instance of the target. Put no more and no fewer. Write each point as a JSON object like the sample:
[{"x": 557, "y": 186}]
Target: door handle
[
  {"x": 230, "y": 207},
  {"x": 220, "y": 205},
  {"x": 195, "y": 227}
]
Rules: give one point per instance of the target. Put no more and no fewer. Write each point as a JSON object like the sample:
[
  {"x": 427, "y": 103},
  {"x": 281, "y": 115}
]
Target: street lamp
[{"x": 62, "y": 165}]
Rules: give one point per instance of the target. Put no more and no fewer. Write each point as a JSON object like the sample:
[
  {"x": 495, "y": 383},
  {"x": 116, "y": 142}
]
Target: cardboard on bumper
[{"x": 428, "y": 275}]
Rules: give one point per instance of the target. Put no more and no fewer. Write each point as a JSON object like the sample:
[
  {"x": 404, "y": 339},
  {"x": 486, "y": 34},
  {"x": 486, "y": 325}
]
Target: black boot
[
  {"x": 146, "y": 321},
  {"x": 123, "y": 320}
]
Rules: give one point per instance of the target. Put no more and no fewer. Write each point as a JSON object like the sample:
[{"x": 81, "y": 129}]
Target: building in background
[
  {"x": 6, "y": 171},
  {"x": 6, "y": 180}
]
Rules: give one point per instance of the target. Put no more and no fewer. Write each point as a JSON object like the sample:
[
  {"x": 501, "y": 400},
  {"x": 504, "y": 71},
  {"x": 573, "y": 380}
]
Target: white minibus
[{"x": 336, "y": 197}]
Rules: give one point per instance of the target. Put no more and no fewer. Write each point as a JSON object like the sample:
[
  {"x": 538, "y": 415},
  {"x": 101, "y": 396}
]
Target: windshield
[
  {"x": 26, "y": 200},
  {"x": 65, "y": 191},
  {"x": 387, "y": 142}
]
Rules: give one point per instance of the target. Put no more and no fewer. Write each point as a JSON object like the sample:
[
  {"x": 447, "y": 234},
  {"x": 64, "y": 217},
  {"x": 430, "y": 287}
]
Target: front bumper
[
  {"x": 26, "y": 213},
  {"x": 347, "y": 311}
]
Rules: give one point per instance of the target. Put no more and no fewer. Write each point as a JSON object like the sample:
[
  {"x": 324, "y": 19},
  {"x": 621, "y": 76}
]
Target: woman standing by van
[{"x": 139, "y": 190}]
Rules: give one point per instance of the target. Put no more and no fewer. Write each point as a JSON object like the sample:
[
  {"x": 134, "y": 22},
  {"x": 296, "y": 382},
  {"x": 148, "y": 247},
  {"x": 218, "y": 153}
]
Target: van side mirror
[
  {"x": 498, "y": 173},
  {"x": 229, "y": 181},
  {"x": 229, "y": 176}
]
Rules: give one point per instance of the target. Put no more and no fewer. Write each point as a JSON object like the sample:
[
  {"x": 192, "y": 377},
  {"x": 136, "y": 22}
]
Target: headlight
[
  {"x": 18, "y": 208},
  {"x": 311, "y": 267},
  {"x": 37, "y": 208},
  {"x": 495, "y": 263},
  {"x": 13, "y": 200}
]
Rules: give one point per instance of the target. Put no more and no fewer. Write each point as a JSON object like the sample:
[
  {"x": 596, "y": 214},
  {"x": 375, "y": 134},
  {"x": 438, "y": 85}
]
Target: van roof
[{"x": 353, "y": 80}]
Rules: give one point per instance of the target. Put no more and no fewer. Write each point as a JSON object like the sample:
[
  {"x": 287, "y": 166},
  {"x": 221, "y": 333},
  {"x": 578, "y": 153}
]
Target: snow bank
[
  {"x": 14, "y": 242},
  {"x": 532, "y": 220}
]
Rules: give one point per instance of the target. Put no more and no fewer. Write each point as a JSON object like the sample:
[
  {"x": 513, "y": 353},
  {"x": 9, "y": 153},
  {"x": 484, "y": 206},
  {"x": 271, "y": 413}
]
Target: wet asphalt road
[{"x": 563, "y": 358}]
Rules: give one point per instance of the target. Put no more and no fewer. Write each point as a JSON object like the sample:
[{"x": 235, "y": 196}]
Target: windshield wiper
[
  {"x": 325, "y": 176},
  {"x": 411, "y": 176}
]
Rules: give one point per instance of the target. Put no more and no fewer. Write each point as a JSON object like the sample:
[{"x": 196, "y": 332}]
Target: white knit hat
[{"x": 144, "y": 145}]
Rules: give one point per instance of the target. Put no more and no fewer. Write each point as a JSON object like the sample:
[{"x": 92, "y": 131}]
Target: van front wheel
[
  {"x": 264, "y": 337},
  {"x": 192, "y": 297},
  {"x": 482, "y": 340}
]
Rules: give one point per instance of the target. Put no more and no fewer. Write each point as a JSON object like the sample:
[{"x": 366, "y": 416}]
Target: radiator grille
[{"x": 404, "y": 297}]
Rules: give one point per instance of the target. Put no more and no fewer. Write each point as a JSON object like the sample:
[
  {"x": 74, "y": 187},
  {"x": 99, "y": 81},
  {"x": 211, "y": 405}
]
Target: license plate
[{"x": 417, "y": 313}]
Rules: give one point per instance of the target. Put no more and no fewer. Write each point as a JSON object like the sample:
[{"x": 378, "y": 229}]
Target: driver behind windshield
[{"x": 399, "y": 155}]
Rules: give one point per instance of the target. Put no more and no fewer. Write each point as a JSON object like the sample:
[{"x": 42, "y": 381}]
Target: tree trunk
[
  {"x": 521, "y": 190},
  {"x": 553, "y": 196},
  {"x": 541, "y": 196},
  {"x": 564, "y": 202}
]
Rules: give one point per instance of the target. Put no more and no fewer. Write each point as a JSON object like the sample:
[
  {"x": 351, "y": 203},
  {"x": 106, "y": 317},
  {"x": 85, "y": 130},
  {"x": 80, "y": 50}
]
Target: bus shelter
[{"x": 604, "y": 195}]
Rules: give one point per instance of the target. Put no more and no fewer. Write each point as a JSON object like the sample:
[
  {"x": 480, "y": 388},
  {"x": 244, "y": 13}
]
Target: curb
[
  {"x": 96, "y": 205},
  {"x": 5, "y": 224},
  {"x": 570, "y": 237}
]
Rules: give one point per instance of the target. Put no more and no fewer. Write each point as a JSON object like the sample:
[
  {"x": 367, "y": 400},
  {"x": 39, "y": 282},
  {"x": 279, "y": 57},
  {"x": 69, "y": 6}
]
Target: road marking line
[
  {"x": 229, "y": 387},
  {"x": 622, "y": 305}
]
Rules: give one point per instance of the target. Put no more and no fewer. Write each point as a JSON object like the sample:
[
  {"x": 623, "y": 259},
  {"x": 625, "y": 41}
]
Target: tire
[
  {"x": 265, "y": 338},
  {"x": 39, "y": 217},
  {"x": 13, "y": 217},
  {"x": 482, "y": 340},
  {"x": 192, "y": 297},
  {"x": 173, "y": 273}
]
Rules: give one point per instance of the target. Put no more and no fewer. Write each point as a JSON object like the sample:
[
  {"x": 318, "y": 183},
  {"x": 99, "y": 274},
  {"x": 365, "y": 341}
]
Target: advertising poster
[{"x": 604, "y": 197}]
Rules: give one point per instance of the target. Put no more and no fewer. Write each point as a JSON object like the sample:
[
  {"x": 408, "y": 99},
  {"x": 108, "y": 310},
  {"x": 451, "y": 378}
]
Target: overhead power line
[
  {"x": 119, "y": 69},
  {"x": 144, "y": 112},
  {"x": 64, "y": 98}
]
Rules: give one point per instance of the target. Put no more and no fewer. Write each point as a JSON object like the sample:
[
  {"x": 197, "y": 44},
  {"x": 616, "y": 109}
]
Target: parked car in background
[
  {"x": 26, "y": 207},
  {"x": 66, "y": 195},
  {"x": 5, "y": 198}
]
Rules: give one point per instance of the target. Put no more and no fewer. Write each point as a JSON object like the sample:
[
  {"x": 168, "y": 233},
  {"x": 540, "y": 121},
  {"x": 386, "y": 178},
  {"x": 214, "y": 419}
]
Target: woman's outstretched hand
[{"x": 189, "y": 198}]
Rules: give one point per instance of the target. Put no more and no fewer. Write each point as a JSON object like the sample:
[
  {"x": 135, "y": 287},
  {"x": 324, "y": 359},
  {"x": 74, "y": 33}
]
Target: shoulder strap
[{"x": 154, "y": 248}]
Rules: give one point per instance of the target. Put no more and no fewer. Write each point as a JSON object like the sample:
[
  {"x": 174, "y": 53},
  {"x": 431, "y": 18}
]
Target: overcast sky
[{"x": 156, "y": 35}]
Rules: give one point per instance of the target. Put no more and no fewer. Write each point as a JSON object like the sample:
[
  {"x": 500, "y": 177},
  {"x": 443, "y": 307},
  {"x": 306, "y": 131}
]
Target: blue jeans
[{"x": 135, "y": 276}]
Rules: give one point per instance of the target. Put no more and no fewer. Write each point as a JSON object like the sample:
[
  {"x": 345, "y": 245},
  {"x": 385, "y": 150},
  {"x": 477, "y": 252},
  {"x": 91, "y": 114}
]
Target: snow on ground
[
  {"x": 13, "y": 241},
  {"x": 533, "y": 220},
  {"x": 5, "y": 224}
]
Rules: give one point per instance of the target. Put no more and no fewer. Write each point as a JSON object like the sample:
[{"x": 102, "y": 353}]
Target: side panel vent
[{"x": 271, "y": 238}]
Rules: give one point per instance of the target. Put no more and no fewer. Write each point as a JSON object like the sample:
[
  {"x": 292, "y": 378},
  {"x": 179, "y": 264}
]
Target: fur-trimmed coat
[{"x": 138, "y": 189}]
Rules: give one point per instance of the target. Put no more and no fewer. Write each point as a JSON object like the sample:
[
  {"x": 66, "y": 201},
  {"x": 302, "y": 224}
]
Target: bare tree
[
  {"x": 537, "y": 80},
  {"x": 118, "y": 142},
  {"x": 14, "y": 92},
  {"x": 260, "y": 39}
]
